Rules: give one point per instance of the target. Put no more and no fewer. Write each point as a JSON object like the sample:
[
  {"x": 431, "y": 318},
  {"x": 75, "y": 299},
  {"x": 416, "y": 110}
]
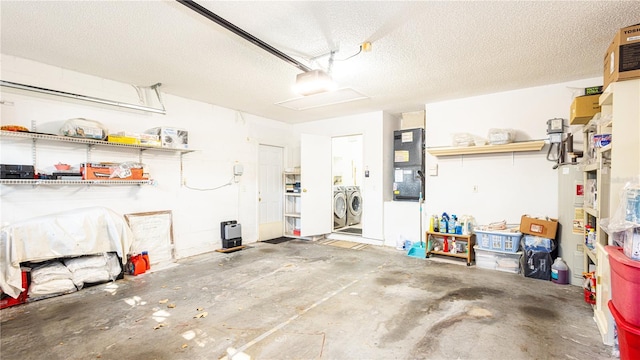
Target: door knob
[{"x": 304, "y": 190}]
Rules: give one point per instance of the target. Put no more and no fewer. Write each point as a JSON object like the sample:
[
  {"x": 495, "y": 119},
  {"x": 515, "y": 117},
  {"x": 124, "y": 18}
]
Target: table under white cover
[{"x": 77, "y": 232}]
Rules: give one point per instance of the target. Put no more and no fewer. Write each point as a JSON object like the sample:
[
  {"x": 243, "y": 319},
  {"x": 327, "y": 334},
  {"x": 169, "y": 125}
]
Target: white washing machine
[
  {"x": 354, "y": 205},
  {"x": 339, "y": 207}
]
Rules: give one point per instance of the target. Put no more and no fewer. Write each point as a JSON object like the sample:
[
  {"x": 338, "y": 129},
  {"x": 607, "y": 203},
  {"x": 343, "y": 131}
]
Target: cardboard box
[
  {"x": 150, "y": 140},
  {"x": 545, "y": 228},
  {"x": 171, "y": 137},
  {"x": 622, "y": 59},
  {"x": 122, "y": 139},
  {"x": 583, "y": 108},
  {"x": 105, "y": 171}
]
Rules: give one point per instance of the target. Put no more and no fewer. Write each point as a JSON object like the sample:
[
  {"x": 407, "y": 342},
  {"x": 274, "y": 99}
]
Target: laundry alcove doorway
[{"x": 347, "y": 175}]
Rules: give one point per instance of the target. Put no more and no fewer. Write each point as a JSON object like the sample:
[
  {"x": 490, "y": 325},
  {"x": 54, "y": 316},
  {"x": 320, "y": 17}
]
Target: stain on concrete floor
[{"x": 301, "y": 300}]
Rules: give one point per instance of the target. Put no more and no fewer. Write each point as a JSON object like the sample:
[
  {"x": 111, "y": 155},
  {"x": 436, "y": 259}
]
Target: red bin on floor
[
  {"x": 625, "y": 284},
  {"x": 7, "y": 301},
  {"x": 628, "y": 336}
]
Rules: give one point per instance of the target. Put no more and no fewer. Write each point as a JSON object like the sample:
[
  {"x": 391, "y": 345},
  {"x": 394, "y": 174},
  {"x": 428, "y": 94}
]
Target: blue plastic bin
[{"x": 506, "y": 241}]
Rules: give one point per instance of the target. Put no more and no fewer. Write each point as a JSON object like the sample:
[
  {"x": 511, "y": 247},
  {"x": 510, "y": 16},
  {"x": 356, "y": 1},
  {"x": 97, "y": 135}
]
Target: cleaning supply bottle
[
  {"x": 445, "y": 244},
  {"x": 436, "y": 223},
  {"x": 560, "y": 272},
  {"x": 443, "y": 223},
  {"x": 451, "y": 225},
  {"x": 453, "y": 246}
]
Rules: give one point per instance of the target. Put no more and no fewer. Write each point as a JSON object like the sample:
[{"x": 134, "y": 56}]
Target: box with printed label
[
  {"x": 622, "y": 60},
  {"x": 150, "y": 140},
  {"x": 171, "y": 137},
  {"x": 545, "y": 228}
]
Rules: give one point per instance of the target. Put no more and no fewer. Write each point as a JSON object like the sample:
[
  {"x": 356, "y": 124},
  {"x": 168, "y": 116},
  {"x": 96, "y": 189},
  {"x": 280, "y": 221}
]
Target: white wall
[
  {"x": 509, "y": 184},
  {"x": 370, "y": 125},
  {"x": 220, "y": 136}
]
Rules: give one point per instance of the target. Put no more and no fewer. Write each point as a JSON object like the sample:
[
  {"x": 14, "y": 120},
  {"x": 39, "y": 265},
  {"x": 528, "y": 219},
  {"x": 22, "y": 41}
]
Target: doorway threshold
[{"x": 354, "y": 238}]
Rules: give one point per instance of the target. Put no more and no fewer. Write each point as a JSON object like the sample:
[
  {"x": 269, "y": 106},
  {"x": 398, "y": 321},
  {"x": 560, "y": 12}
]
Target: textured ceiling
[{"x": 422, "y": 52}]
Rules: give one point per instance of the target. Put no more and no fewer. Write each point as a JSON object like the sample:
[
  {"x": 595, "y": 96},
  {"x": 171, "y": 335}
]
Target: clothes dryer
[
  {"x": 354, "y": 205},
  {"x": 339, "y": 207}
]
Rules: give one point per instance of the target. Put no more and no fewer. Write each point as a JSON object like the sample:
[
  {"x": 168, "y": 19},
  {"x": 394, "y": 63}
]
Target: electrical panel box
[{"x": 408, "y": 148}]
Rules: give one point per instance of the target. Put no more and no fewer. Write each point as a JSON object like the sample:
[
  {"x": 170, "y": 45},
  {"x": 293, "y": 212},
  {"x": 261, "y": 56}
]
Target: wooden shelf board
[
  {"x": 457, "y": 255},
  {"x": 535, "y": 145},
  {"x": 457, "y": 236},
  {"x": 591, "y": 167},
  {"x": 591, "y": 255},
  {"x": 591, "y": 211},
  {"x": 606, "y": 98}
]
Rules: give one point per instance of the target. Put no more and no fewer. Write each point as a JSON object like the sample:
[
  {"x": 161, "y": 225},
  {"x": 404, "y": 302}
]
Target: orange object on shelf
[{"x": 105, "y": 171}]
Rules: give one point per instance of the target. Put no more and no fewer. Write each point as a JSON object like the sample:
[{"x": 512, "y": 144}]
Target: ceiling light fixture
[{"x": 314, "y": 82}]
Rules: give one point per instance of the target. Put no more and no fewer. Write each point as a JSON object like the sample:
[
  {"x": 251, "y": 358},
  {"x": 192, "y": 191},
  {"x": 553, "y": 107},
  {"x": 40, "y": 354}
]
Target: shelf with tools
[
  {"x": 37, "y": 138},
  {"x": 457, "y": 245}
]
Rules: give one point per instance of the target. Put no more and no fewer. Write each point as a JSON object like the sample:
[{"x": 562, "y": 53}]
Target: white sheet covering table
[{"x": 77, "y": 232}]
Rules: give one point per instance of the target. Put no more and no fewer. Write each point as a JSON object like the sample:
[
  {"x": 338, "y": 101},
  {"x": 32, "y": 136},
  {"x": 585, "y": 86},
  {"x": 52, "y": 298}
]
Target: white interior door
[
  {"x": 315, "y": 181},
  {"x": 270, "y": 192}
]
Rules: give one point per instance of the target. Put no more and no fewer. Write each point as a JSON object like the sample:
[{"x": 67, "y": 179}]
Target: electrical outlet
[{"x": 475, "y": 188}]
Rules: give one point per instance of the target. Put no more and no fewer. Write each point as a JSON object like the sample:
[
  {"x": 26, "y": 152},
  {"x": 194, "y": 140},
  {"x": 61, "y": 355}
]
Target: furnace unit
[{"x": 408, "y": 162}]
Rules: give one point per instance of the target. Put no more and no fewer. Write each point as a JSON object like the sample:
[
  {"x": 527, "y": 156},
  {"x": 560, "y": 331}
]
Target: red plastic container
[
  {"x": 625, "y": 284},
  {"x": 628, "y": 336},
  {"x": 139, "y": 265},
  {"x": 8, "y": 301}
]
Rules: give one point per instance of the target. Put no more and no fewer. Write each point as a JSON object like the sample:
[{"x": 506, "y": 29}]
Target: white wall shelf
[
  {"x": 68, "y": 139},
  {"x": 36, "y": 182},
  {"x": 535, "y": 145},
  {"x": 35, "y": 137}
]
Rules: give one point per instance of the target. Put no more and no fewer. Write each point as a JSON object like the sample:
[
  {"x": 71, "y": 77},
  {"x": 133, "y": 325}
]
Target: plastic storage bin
[
  {"x": 507, "y": 262},
  {"x": 498, "y": 240},
  {"x": 628, "y": 336},
  {"x": 625, "y": 285}
]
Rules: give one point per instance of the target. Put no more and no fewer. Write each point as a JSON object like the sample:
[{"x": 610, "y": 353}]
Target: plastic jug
[
  {"x": 139, "y": 266},
  {"x": 560, "y": 272}
]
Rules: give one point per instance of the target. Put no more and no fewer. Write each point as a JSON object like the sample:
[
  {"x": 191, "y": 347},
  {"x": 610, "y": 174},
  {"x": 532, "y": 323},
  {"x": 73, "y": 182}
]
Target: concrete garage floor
[{"x": 305, "y": 300}]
